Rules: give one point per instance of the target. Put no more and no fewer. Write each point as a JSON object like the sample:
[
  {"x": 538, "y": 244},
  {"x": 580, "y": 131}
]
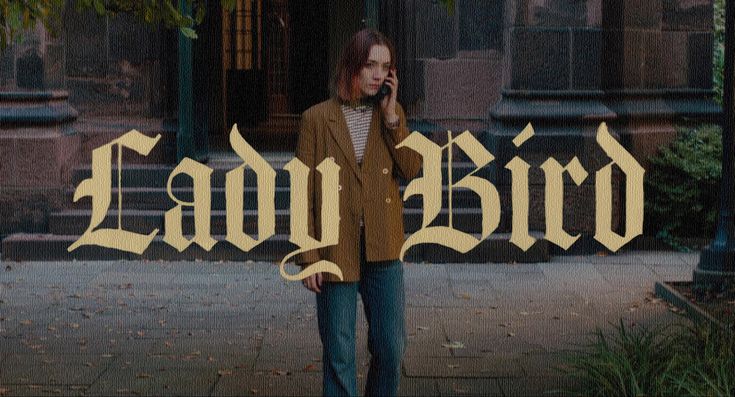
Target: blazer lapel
[{"x": 338, "y": 128}]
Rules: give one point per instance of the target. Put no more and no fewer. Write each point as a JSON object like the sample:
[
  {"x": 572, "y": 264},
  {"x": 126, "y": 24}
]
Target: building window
[{"x": 242, "y": 38}]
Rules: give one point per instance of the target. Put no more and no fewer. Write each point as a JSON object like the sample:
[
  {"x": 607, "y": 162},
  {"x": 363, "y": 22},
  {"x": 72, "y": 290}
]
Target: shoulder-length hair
[{"x": 353, "y": 59}]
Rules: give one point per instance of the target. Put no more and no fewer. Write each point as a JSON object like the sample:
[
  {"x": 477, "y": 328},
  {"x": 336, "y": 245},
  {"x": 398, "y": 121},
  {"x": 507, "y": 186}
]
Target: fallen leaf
[
  {"x": 453, "y": 366},
  {"x": 280, "y": 372},
  {"x": 422, "y": 328},
  {"x": 511, "y": 334},
  {"x": 26, "y": 322},
  {"x": 73, "y": 325},
  {"x": 143, "y": 375},
  {"x": 310, "y": 367},
  {"x": 454, "y": 345},
  {"x": 253, "y": 391},
  {"x": 224, "y": 372}
]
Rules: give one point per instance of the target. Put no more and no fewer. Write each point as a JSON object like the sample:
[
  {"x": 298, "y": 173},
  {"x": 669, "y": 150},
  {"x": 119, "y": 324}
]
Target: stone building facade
[{"x": 490, "y": 67}]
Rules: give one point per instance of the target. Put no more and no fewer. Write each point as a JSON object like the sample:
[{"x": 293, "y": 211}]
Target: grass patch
[{"x": 677, "y": 360}]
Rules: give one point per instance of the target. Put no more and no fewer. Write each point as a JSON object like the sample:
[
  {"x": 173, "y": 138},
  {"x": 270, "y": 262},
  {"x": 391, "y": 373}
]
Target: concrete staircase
[{"x": 145, "y": 201}]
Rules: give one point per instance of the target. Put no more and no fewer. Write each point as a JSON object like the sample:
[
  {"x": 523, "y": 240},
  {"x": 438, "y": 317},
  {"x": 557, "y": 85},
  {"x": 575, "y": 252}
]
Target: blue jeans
[{"x": 381, "y": 289}]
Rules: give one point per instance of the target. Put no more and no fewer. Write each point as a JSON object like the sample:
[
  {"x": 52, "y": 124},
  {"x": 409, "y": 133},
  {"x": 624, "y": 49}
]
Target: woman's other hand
[{"x": 313, "y": 282}]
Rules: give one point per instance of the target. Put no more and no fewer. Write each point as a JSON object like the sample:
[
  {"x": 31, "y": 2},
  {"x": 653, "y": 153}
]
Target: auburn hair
[{"x": 353, "y": 59}]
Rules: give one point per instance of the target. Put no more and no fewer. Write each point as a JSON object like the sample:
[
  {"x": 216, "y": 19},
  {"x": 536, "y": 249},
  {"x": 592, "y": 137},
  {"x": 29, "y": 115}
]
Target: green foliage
[
  {"x": 707, "y": 364},
  {"x": 670, "y": 361},
  {"x": 718, "y": 60},
  {"x": 449, "y": 4},
  {"x": 19, "y": 15},
  {"x": 682, "y": 186}
]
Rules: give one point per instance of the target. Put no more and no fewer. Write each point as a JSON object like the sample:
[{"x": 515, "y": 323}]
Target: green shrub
[
  {"x": 682, "y": 186},
  {"x": 707, "y": 365},
  {"x": 673, "y": 361},
  {"x": 718, "y": 61}
]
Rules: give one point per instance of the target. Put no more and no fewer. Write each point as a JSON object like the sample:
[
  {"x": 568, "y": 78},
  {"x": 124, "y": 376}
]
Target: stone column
[
  {"x": 38, "y": 144},
  {"x": 657, "y": 68},
  {"x": 551, "y": 79},
  {"x": 569, "y": 65}
]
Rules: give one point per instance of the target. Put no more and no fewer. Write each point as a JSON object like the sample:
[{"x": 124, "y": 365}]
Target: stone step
[
  {"x": 156, "y": 175},
  {"x": 75, "y": 222},
  {"x": 48, "y": 247},
  {"x": 142, "y": 198}
]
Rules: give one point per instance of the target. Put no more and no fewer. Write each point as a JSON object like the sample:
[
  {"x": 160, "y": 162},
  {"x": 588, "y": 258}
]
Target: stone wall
[
  {"x": 658, "y": 44},
  {"x": 38, "y": 143},
  {"x": 639, "y": 66},
  {"x": 451, "y": 62},
  {"x": 119, "y": 67}
]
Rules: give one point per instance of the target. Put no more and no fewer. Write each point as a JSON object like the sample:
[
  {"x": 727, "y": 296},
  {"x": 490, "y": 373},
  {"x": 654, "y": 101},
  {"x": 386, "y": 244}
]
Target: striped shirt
[{"x": 358, "y": 122}]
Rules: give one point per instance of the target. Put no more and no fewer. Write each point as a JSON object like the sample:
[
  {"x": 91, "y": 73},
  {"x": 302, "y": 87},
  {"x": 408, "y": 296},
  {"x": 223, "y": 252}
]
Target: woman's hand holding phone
[{"x": 388, "y": 103}]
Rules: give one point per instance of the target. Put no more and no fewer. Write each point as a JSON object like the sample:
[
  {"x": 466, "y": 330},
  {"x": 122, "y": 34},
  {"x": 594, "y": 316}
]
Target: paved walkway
[{"x": 203, "y": 328}]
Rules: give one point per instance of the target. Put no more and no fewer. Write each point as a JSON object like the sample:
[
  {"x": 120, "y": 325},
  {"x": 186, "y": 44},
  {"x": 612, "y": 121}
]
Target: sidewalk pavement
[{"x": 214, "y": 328}]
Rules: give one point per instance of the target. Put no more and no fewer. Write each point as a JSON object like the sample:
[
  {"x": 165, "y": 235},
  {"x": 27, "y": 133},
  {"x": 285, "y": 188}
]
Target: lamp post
[{"x": 716, "y": 268}]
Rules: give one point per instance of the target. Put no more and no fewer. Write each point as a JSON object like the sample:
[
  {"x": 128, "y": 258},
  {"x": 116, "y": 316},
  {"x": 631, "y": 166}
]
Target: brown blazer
[{"x": 369, "y": 189}]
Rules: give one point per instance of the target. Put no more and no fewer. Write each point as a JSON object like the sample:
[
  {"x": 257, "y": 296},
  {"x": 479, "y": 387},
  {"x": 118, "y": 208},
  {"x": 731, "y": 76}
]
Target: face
[{"x": 375, "y": 70}]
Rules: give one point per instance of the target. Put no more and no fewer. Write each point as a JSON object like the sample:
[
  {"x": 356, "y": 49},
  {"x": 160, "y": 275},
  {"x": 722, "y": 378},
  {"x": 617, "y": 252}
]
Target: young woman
[{"x": 359, "y": 132}]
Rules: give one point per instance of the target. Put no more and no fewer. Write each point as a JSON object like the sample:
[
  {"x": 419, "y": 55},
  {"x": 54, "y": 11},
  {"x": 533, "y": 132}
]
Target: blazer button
[
  {"x": 387, "y": 200},
  {"x": 331, "y": 158},
  {"x": 385, "y": 171},
  {"x": 339, "y": 187}
]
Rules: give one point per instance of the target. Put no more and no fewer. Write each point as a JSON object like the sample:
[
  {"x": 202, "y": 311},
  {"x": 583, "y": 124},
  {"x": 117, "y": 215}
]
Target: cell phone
[{"x": 383, "y": 91}]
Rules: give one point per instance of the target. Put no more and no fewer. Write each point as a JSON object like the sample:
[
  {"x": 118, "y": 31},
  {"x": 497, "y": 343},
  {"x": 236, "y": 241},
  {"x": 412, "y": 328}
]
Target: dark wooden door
[{"x": 245, "y": 69}]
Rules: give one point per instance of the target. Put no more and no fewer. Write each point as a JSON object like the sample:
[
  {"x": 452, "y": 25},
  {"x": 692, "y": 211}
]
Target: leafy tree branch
[{"x": 17, "y": 16}]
